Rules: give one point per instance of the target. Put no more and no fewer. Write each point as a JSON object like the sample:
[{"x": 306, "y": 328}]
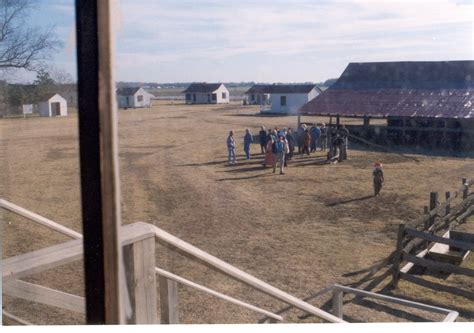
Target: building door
[
  {"x": 209, "y": 98},
  {"x": 56, "y": 109},
  {"x": 194, "y": 98}
]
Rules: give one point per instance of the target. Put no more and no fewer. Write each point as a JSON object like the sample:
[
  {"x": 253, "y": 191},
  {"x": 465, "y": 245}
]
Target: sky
[{"x": 267, "y": 40}]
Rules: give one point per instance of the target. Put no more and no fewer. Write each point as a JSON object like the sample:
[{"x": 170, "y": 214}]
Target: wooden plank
[
  {"x": 439, "y": 266},
  {"x": 437, "y": 286},
  {"x": 38, "y": 219},
  {"x": 451, "y": 318},
  {"x": 231, "y": 271},
  {"x": 44, "y": 295},
  {"x": 224, "y": 297},
  {"x": 465, "y": 189},
  {"x": 448, "y": 206},
  {"x": 337, "y": 297},
  {"x": 168, "y": 301},
  {"x": 408, "y": 266},
  {"x": 12, "y": 320},
  {"x": 433, "y": 205},
  {"x": 438, "y": 239},
  {"x": 140, "y": 267},
  {"x": 392, "y": 299},
  {"x": 397, "y": 255},
  {"x": 57, "y": 255}
]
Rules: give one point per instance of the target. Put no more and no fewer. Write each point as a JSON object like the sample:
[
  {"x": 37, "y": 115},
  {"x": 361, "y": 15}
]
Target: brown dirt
[{"x": 300, "y": 232}]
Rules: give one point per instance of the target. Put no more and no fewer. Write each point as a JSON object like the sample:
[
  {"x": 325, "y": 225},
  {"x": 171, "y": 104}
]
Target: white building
[
  {"x": 133, "y": 98},
  {"x": 207, "y": 93},
  {"x": 258, "y": 94},
  {"x": 286, "y": 98},
  {"x": 52, "y": 105}
]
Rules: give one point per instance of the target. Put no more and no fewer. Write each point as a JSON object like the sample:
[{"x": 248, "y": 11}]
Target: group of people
[{"x": 278, "y": 146}]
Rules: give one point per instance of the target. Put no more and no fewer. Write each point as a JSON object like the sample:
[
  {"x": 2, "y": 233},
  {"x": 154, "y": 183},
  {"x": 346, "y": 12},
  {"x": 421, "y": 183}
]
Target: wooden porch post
[{"x": 168, "y": 301}]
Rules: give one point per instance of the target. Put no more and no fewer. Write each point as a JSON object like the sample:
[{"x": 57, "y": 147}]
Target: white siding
[
  {"x": 293, "y": 101},
  {"x": 222, "y": 90},
  {"x": 132, "y": 101},
  {"x": 206, "y": 98},
  {"x": 45, "y": 109}
]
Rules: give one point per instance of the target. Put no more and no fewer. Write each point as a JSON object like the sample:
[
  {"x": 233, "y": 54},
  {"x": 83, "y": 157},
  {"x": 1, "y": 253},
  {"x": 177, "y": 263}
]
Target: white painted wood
[
  {"x": 10, "y": 319},
  {"x": 242, "y": 276},
  {"x": 337, "y": 298},
  {"x": 44, "y": 295},
  {"x": 39, "y": 219},
  {"x": 224, "y": 297},
  {"x": 45, "y": 108},
  {"x": 168, "y": 301}
]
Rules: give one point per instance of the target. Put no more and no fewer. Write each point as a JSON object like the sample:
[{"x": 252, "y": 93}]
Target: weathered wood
[
  {"x": 439, "y": 266},
  {"x": 57, "y": 255},
  {"x": 448, "y": 206},
  {"x": 231, "y": 271},
  {"x": 44, "y": 295},
  {"x": 433, "y": 205},
  {"x": 229, "y": 299},
  {"x": 168, "y": 301},
  {"x": 438, "y": 239},
  {"x": 451, "y": 318},
  {"x": 141, "y": 282},
  {"x": 12, "y": 320},
  {"x": 392, "y": 299},
  {"x": 397, "y": 255},
  {"x": 408, "y": 266},
  {"x": 437, "y": 286},
  {"x": 38, "y": 219},
  {"x": 337, "y": 297},
  {"x": 465, "y": 190},
  {"x": 426, "y": 221}
]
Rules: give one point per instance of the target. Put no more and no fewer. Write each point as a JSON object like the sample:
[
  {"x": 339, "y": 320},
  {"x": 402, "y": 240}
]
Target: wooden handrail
[
  {"x": 224, "y": 297},
  {"x": 437, "y": 239},
  {"x": 239, "y": 275},
  {"x": 39, "y": 219},
  {"x": 13, "y": 320}
]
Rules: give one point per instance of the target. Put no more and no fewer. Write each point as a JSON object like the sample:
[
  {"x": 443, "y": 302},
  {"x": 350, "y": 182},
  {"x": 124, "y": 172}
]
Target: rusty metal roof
[{"x": 405, "y": 89}]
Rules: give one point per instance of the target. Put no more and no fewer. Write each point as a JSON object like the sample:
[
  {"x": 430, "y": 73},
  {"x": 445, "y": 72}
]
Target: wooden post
[
  {"x": 338, "y": 122},
  {"x": 299, "y": 122},
  {"x": 366, "y": 121},
  {"x": 448, "y": 207},
  {"x": 337, "y": 296},
  {"x": 168, "y": 301},
  {"x": 425, "y": 213},
  {"x": 433, "y": 204},
  {"x": 465, "y": 192},
  {"x": 398, "y": 254},
  {"x": 141, "y": 280}
]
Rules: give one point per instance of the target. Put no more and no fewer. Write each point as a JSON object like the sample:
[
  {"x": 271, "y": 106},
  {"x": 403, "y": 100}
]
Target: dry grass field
[{"x": 301, "y": 231}]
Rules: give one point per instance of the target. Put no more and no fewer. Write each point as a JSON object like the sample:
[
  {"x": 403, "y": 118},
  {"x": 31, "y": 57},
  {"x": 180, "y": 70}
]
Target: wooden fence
[{"x": 414, "y": 243}]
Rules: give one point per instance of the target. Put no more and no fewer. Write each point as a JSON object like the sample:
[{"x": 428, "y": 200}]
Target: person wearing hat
[{"x": 377, "y": 173}]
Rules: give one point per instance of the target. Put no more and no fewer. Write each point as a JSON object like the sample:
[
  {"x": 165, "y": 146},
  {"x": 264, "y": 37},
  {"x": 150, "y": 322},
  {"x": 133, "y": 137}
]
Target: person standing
[
  {"x": 344, "y": 134},
  {"x": 290, "y": 137},
  {"x": 279, "y": 149},
  {"x": 315, "y": 133},
  {"x": 306, "y": 142},
  {"x": 231, "y": 148},
  {"x": 300, "y": 137},
  {"x": 262, "y": 135},
  {"x": 248, "y": 140},
  {"x": 324, "y": 137},
  {"x": 268, "y": 160},
  {"x": 377, "y": 174}
]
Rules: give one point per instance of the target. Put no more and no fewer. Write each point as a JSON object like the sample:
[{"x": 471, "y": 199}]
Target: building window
[
  {"x": 214, "y": 97},
  {"x": 140, "y": 98},
  {"x": 282, "y": 100},
  {"x": 224, "y": 95},
  {"x": 253, "y": 97}
]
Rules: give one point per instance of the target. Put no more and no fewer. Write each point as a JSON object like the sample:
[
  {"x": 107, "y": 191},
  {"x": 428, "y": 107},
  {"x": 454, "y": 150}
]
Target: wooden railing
[{"x": 138, "y": 241}]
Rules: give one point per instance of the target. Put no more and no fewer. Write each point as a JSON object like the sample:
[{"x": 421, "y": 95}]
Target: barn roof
[
  {"x": 281, "y": 89},
  {"x": 202, "y": 87},
  {"x": 407, "y": 89},
  {"x": 127, "y": 91}
]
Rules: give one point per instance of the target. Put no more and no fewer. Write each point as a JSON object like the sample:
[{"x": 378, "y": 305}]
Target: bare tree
[{"x": 23, "y": 45}]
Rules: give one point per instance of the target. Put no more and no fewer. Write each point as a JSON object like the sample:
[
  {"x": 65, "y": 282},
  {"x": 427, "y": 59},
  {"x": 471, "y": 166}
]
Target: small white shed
[
  {"x": 133, "y": 98},
  {"x": 207, "y": 93},
  {"x": 52, "y": 105}
]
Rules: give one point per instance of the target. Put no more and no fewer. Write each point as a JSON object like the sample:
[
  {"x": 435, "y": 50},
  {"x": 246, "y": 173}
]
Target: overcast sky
[{"x": 269, "y": 40}]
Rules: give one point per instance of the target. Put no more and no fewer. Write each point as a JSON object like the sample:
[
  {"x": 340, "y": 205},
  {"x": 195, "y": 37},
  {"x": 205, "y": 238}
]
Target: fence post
[
  {"x": 141, "y": 280},
  {"x": 425, "y": 213},
  {"x": 398, "y": 254},
  {"x": 465, "y": 191},
  {"x": 448, "y": 206},
  {"x": 433, "y": 204},
  {"x": 168, "y": 301},
  {"x": 337, "y": 296}
]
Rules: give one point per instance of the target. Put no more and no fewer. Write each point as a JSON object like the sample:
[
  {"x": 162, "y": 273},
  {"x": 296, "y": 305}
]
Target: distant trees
[{"x": 21, "y": 44}]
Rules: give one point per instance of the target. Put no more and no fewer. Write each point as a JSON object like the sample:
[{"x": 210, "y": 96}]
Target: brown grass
[{"x": 300, "y": 232}]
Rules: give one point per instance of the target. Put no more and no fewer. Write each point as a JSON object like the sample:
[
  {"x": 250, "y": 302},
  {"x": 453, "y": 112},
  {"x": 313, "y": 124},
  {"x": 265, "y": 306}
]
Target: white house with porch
[
  {"x": 133, "y": 97},
  {"x": 52, "y": 105},
  {"x": 207, "y": 93},
  {"x": 283, "y": 98}
]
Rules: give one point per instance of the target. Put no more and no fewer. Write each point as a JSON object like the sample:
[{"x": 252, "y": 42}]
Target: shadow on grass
[
  {"x": 341, "y": 202},
  {"x": 243, "y": 178}
]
